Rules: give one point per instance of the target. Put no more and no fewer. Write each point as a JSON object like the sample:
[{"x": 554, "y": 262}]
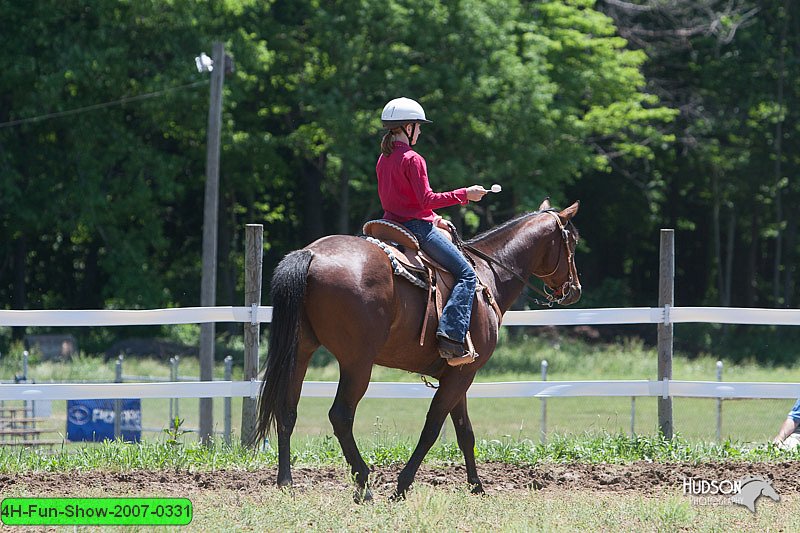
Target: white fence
[
  {"x": 664, "y": 316},
  {"x": 536, "y": 389}
]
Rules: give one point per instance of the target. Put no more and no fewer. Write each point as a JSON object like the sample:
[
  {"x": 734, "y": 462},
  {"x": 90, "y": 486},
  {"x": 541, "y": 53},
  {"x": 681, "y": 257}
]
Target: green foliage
[
  {"x": 175, "y": 432},
  {"x": 165, "y": 455},
  {"x": 100, "y": 209},
  {"x": 770, "y": 346},
  {"x": 572, "y": 99}
]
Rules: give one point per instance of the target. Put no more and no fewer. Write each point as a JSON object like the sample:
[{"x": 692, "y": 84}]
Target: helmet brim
[{"x": 390, "y": 124}]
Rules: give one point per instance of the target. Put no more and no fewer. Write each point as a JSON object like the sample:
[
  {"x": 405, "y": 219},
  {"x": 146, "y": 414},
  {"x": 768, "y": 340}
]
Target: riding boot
[{"x": 454, "y": 352}]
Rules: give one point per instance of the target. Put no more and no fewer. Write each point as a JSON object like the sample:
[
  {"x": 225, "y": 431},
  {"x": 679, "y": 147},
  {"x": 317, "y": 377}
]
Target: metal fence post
[
  {"x": 174, "y": 370},
  {"x": 177, "y": 378},
  {"x": 719, "y": 404},
  {"x": 544, "y": 404},
  {"x": 118, "y": 402},
  {"x": 633, "y": 415},
  {"x": 28, "y": 403},
  {"x": 171, "y": 400},
  {"x": 227, "y": 401}
]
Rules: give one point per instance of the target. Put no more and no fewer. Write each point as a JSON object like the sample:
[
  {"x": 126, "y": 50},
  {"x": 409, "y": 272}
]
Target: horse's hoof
[
  {"x": 285, "y": 483},
  {"x": 397, "y": 496},
  {"x": 362, "y": 495},
  {"x": 478, "y": 489}
]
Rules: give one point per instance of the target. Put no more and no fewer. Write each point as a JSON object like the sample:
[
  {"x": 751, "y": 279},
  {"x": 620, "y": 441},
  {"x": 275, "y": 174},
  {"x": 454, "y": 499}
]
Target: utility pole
[{"x": 208, "y": 288}]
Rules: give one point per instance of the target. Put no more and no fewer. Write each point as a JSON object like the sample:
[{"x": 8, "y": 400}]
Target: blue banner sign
[{"x": 93, "y": 420}]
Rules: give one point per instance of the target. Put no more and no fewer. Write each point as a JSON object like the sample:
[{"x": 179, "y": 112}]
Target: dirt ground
[{"x": 639, "y": 478}]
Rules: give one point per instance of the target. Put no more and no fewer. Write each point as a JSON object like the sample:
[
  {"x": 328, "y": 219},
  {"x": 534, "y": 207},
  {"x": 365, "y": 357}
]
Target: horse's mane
[{"x": 505, "y": 225}]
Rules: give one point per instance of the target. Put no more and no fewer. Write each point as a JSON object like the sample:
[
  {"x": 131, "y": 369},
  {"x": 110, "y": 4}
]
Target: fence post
[
  {"x": 227, "y": 401},
  {"x": 171, "y": 400},
  {"x": 666, "y": 299},
  {"x": 118, "y": 402},
  {"x": 719, "y": 404},
  {"x": 633, "y": 415},
  {"x": 28, "y": 403},
  {"x": 177, "y": 400},
  {"x": 544, "y": 404},
  {"x": 254, "y": 252}
]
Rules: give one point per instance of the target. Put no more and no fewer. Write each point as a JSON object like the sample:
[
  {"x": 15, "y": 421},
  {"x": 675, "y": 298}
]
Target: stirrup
[
  {"x": 454, "y": 352},
  {"x": 465, "y": 359}
]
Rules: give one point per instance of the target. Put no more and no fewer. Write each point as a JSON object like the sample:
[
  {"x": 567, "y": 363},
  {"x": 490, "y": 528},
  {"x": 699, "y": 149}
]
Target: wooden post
[
  {"x": 666, "y": 299},
  {"x": 254, "y": 252},
  {"x": 208, "y": 287}
]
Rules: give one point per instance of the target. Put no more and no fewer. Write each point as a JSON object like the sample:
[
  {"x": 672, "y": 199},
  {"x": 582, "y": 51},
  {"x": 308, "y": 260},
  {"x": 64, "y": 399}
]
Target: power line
[{"x": 93, "y": 107}]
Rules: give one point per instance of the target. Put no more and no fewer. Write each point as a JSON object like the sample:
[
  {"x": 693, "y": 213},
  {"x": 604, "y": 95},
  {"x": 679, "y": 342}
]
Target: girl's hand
[
  {"x": 476, "y": 193},
  {"x": 444, "y": 224}
]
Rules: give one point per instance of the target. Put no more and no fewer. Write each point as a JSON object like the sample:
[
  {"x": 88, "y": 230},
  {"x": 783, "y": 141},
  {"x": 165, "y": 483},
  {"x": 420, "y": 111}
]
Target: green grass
[
  {"x": 427, "y": 508},
  {"x": 440, "y": 509},
  {"x": 161, "y": 454},
  {"x": 449, "y": 508},
  {"x": 433, "y": 509}
]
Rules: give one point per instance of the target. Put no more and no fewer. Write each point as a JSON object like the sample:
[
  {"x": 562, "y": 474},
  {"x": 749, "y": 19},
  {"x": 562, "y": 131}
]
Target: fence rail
[
  {"x": 327, "y": 389},
  {"x": 665, "y": 389},
  {"x": 545, "y": 317},
  {"x": 537, "y": 389}
]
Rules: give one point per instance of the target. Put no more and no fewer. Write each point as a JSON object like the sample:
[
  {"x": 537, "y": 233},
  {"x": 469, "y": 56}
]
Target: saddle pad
[{"x": 387, "y": 230}]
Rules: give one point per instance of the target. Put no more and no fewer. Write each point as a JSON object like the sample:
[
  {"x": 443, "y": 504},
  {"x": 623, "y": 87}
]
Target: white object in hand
[
  {"x": 496, "y": 188},
  {"x": 791, "y": 442}
]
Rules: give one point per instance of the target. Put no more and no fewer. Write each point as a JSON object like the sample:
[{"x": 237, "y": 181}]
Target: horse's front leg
[
  {"x": 448, "y": 394},
  {"x": 353, "y": 383},
  {"x": 466, "y": 441}
]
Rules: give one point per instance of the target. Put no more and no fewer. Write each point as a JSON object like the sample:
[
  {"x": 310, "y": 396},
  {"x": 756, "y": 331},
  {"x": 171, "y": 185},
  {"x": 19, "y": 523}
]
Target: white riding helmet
[{"x": 402, "y": 111}]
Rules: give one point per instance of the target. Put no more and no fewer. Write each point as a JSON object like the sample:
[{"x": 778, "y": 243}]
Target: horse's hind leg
[
  {"x": 466, "y": 441},
  {"x": 353, "y": 383},
  {"x": 286, "y": 420}
]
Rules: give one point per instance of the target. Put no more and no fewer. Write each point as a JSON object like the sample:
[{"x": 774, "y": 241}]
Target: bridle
[{"x": 550, "y": 295}]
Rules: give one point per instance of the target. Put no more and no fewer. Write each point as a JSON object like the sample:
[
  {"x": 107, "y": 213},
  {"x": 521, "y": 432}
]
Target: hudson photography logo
[{"x": 744, "y": 491}]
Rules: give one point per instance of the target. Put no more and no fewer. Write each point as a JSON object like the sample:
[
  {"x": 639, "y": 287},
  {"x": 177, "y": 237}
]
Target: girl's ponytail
[{"x": 387, "y": 143}]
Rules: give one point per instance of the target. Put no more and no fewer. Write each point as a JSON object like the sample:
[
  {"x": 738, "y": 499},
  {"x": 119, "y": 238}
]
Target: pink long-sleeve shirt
[{"x": 404, "y": 189}]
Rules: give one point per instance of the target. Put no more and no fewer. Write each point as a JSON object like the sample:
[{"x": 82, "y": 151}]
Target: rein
[{"x": 550, "y": 297}]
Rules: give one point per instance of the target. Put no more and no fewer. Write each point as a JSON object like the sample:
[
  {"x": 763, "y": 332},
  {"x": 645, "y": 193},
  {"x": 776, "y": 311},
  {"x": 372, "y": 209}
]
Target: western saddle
[{"x": 411, "y": 263}]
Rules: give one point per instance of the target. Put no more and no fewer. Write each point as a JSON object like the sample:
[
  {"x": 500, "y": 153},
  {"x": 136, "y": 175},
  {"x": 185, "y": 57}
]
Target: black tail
[{"x": 288, "y": 289}]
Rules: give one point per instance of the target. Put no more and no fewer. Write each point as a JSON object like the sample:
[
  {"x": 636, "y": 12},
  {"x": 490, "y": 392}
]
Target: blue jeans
[
  {"x": 794, "y": 414},
  {"x": 458, "y": 309}
]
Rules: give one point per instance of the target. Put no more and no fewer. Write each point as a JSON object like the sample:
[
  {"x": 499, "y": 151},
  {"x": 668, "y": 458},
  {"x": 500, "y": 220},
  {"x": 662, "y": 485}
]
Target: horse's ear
[
  {"x": 569, "y": 212},
  {"x": 545, "y": 204}
]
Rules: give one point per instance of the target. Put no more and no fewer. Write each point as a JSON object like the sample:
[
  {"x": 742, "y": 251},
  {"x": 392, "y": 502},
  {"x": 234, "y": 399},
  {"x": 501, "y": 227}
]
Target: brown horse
[{"x": 340, "y": 292}]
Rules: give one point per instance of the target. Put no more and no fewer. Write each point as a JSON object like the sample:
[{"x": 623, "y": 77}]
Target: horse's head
[{"x": 557, "y": 269}]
